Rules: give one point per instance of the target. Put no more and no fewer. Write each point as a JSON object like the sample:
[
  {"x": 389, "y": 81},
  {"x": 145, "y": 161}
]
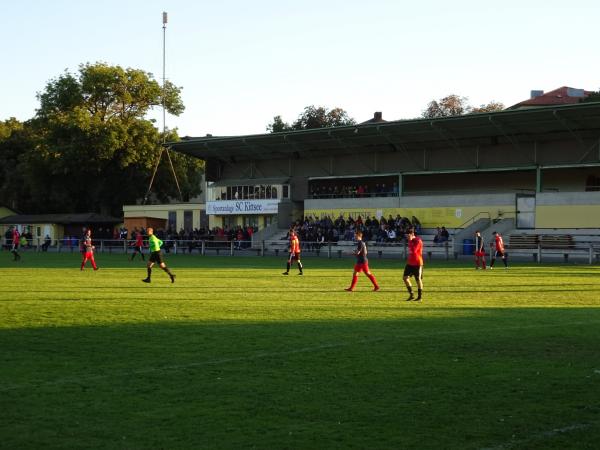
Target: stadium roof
[
  {"x": 62, "y": 219},
  {"x": 543, "y": 123}
]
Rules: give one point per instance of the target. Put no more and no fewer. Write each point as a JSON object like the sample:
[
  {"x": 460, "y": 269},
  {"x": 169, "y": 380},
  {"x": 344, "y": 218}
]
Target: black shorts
[
  {"x": 137, "y": 249},
  {"x": 294, "y": 257},
  {"x": 413, "y": 271},
  {"x": 14, "y": 247},
  {"x": 499, "y": 253},
  {"x": 156, "y": 257}
]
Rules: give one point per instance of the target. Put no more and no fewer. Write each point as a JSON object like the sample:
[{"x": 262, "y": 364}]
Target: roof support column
[
  {"x": 400, "y": 185},
  {"x": 538, "y": 179}
]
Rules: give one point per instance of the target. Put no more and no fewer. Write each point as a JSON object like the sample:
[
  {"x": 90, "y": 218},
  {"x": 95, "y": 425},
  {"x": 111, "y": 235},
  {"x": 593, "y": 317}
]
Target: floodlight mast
[
  {"x": 164, "y": 77},
  {"x": 164, "y": 137}
]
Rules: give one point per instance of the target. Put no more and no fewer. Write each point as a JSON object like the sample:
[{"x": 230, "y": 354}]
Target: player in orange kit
[
  {"x": 499, "y": 250},
  {"x": 294, "y": 253}
]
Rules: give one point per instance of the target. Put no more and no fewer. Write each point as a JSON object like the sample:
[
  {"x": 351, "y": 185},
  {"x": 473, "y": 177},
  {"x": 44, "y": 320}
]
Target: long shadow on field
[{"x": 480, "y": 378}]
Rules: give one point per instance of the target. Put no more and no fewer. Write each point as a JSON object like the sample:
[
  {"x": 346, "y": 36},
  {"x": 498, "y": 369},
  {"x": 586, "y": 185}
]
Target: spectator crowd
[
  {"x": 354, "y": 190},
  {"x": 314, "y": 232}
]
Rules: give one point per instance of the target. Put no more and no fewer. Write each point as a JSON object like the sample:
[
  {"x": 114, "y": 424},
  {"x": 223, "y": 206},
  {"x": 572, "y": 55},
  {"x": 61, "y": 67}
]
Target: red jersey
[
  {"x": 16, "y": 237},
  {"x": 139, "y": 240},
  {"x": 499, "y": 243},
  {"x": 294, "y": 244},
  {"x": 415, "y": 252}
]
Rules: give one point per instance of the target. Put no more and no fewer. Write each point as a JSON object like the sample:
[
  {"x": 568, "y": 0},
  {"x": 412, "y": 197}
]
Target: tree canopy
[
  {"x": 313, "y": 117},
  {"x": 455, "y": 105},
  {"x": 90, "y": 146},
  {"x": 594, "y": 96}
]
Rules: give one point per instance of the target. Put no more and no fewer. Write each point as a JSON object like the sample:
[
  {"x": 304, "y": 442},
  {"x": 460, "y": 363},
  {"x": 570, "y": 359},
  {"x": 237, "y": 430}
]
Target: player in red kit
[
  {"x": 499, "y": 250},
  {"x": 16, "y": 239},
  {"x": 88, "y": 249},
  {"x": 362, "y": 263},
  {"x": 138, "y": 246},
  {"x": 294, "y": 253},
  {"x": 479, "y": 251},
  {"x": 414, "y": 265}
]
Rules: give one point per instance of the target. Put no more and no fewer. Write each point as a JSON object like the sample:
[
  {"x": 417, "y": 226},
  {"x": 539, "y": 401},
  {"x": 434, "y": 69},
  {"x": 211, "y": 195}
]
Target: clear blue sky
[{"x": 242, "y": 62}]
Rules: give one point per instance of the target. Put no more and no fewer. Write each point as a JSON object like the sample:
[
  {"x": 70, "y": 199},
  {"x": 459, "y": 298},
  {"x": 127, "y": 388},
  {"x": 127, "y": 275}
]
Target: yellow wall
[
  {"x": 451, "y": 217},
  {"x": 162, "y": 212},
  {"x": 567, "y": 216},
  {"x": 54, "y": 231}
]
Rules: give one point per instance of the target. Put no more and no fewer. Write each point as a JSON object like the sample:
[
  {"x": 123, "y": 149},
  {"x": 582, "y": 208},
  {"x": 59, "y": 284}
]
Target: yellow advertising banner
[{"x": 452, "y": 217}]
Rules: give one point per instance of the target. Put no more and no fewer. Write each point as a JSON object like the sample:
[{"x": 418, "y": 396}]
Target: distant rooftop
[{"x": 562, "y": 96}]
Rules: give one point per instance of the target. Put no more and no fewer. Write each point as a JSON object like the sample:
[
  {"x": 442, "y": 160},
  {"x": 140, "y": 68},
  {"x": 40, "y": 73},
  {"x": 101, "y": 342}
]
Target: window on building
[
  {"x": 188, "y": 224},
  {"x": 267, "y": 221},
  {"x": 172, "y": 221}
]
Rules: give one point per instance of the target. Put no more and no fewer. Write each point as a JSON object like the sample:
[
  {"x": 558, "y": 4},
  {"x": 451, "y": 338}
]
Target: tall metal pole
[
  {"x": 164, "y": 74},
  {"x": 164, "y": 139}
]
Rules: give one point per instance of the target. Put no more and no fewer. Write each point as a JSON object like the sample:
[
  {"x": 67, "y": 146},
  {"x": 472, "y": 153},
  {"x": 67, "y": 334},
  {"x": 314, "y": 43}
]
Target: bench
[
  {"x": 523, "y": 241},
  {"x": 563, "y": 241}
]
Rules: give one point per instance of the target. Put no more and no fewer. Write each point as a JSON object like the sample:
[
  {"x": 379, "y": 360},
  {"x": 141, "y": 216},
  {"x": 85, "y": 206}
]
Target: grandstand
[{"x": 534, "y": 171}]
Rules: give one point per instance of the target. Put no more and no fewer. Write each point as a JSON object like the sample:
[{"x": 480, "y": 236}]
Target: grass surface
[{"x": 234, "y": 355}]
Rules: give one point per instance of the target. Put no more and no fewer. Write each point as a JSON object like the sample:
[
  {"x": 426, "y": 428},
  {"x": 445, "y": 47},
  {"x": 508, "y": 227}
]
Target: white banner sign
[{"x": 241, "y": 207}]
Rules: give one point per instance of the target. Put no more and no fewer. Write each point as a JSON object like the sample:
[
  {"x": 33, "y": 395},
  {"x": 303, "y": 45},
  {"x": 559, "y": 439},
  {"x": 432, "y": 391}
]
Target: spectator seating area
[{"x": 354, "y": 190}]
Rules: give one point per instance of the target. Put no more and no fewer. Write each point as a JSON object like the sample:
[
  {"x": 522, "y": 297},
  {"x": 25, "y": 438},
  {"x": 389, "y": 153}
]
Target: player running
[
  {"x": 479, "y": 251},
  {"x": 414, "y": 265},
  {"x": 294, "y": 253},
  {"x": 88, "y": 250},
  {"x": 138, "y": 246},
  {"x": 16, "y": 239},
  {"x": 362, "y": 263},
  {"x": 499, "y": 250},
  {"x": 156, "y": 256}
]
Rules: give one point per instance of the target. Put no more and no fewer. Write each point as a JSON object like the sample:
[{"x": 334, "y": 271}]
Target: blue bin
[{"x": 468, "y": 246}]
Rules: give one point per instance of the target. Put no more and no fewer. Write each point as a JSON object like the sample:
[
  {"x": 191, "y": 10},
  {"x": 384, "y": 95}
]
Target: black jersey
[
  {"x": 479, "y": 244},
  {"x": 361, "y": 252}
]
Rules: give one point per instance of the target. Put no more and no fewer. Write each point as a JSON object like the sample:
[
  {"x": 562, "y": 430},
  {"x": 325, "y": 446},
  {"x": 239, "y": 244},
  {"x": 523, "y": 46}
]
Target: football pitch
[{"x": 234, "y": 355}]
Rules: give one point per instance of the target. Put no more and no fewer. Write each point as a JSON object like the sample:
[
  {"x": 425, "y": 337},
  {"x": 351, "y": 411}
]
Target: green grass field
[{"x": 234, "y": 355}]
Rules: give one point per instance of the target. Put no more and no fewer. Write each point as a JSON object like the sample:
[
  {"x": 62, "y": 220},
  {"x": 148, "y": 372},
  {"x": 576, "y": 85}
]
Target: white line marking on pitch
[{"x": 312, "y": 349}]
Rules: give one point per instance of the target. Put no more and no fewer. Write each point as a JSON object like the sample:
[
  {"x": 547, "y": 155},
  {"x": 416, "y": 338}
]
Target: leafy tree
[
  {"x": 593, "y": 97},
  {"x": 313, "y": 117},
  {"x": 278, "y": 125},
  {"x": 452, "y": 105},
  {"x": 16, "y": 140},
  {"x": 490, "y": 107},
  {"x": 90, "y": 147}
]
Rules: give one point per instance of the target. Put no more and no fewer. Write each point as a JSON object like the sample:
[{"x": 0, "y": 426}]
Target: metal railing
[{"x": 582, "y": 250}]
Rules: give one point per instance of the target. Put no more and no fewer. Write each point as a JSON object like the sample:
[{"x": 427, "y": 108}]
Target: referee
[{"x": 156, "y": 256}]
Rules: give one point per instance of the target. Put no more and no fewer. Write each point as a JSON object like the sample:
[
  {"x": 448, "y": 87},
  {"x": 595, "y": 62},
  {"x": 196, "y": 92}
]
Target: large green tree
[
  {"x": 313, "y": 117},
  {"x": 94, "y": 147},
  {"x": 451, "y": 105},
  {"x": 594, "y": 96},
  {"x": 16, "y": 140}
]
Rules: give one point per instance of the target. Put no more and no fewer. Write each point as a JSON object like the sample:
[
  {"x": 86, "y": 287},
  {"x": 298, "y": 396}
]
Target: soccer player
[
  {"x": 156, "y": 256},
  {"x": 137, "y": 248},
  {"x": 362, "y": 263},
  {"x": 88, "y": 250},
  {"x": 479, "y": 251},
  {"x": 16, "y": 239},
  {"x": 414, "y": 265},
  {"x": 499, "y": 251},
  {"x": 294, "y": 253}
]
